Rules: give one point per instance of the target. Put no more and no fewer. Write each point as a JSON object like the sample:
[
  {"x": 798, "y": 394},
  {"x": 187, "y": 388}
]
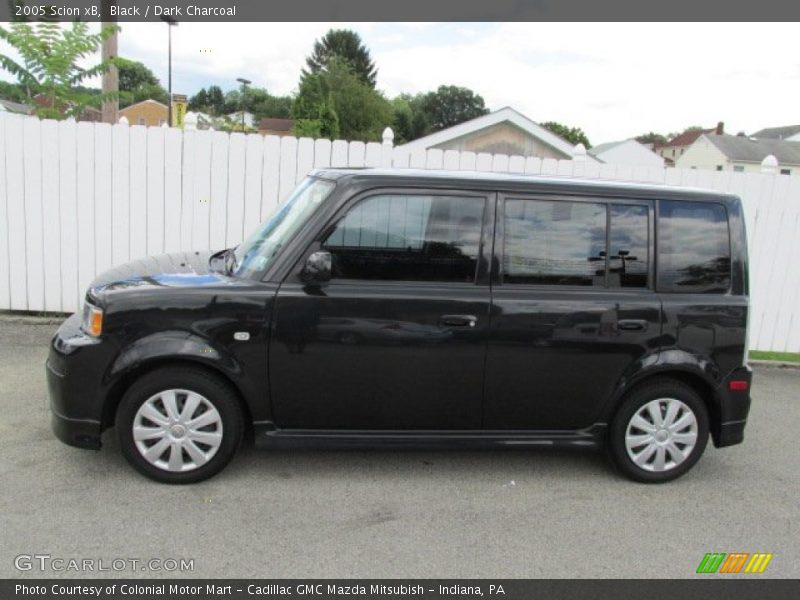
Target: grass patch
[{"x": 781, "y": 356}]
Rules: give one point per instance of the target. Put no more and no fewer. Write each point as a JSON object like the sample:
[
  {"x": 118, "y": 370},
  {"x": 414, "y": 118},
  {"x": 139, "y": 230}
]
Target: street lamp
[
  {"x": 245, "y": 83},
  {"x": 171, "y": 22}
]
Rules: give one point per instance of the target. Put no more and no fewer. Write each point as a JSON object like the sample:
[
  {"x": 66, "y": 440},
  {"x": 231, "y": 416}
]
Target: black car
[{"x": 415, "y": 307}]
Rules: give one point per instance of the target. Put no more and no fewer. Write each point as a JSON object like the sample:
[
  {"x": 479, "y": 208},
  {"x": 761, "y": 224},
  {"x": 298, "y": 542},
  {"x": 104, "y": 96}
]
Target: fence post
[
  {"x": 386, "y": 149},
  {"x": 769, "y": 165},
  {"x": 579, "y": 152},
  {"x": 123, "y": 120}
]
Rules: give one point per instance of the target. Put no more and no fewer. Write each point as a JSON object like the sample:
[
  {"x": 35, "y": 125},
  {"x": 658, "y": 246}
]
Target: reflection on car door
[
  {"x": 573, "y": 308},
  {"x": 397, "y": 339}
]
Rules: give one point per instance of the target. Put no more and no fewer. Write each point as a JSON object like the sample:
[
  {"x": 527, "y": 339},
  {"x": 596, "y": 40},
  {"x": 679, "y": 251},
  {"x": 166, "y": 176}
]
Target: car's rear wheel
[
  {"x": 179, "y": 424},
  {"x": 659, "y": 432}
]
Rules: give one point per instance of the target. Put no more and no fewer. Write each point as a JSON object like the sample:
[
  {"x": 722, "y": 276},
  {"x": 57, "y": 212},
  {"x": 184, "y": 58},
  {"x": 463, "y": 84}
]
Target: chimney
[{"x": 720, "y": 128}]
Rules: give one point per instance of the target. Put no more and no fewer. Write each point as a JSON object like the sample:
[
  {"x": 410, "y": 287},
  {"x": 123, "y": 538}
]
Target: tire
[
  {"x": 192, "y": 414},
  {"x": 653, "y": 451}
]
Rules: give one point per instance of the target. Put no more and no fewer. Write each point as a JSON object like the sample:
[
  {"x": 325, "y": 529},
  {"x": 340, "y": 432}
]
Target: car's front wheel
[
  {"x": 179, "y": 424},
  {"x": 659, "y": 432}
]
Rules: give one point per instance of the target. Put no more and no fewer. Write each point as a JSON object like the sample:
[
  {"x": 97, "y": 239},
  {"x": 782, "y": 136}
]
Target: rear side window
[
  {"x": 554, "y": 242},
  {"x": 693, "y": 247},
  {"x": 408, "y": 237}
]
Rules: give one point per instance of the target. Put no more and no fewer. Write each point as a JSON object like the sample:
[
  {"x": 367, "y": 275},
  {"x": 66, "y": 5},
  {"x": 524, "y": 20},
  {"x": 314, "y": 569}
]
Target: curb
[
  {"x": 774, "y": 364},
  {"x": 32, "y": 320}
]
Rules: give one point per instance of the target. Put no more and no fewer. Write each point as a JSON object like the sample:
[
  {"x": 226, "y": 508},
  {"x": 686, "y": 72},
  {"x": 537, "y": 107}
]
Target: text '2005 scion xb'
[{"x": 406, "y": 307}]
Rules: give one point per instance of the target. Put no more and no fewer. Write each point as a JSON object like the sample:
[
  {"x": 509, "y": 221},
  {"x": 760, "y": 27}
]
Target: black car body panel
[{"x": 403, "y": 362}]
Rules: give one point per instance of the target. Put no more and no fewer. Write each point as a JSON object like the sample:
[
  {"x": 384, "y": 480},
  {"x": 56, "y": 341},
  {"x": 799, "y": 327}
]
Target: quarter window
[
  {"x": 693, "y": 247},
  {"x": 629, "y": 243},
  {"x": 405, "y": 237}
]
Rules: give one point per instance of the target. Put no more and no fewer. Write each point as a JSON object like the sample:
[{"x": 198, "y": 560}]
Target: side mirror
[{"x": 318, "y": 268}]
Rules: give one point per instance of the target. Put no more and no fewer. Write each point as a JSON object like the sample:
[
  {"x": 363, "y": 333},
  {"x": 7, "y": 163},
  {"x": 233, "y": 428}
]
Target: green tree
[
  {"x": 49, "y": 65},
  {"x": 450, "y": 105},
  {"x": 211, "y": 101},
  {"x": 574, "y": 135},
  {"x": 361, "y": 111},
  {"x": 342, "y": 45},
  {"x": 651, "y": 138}
]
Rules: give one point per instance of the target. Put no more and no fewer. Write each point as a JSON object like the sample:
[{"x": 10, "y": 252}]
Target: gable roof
[
  {"x": 499, "y": 116},
  {"x": 745, "y": 149},
  {"x": 148, "y": 101},
  {"x": 14, "y": 107},
  {"x": 777, "y": 133},
  {"x": 687, "y": 138},
  {"x": 600, "y": 148}
]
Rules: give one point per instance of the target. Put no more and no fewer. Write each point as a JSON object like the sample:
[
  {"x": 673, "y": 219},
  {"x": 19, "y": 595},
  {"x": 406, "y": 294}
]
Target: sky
[{"x": 614, "y": 81}]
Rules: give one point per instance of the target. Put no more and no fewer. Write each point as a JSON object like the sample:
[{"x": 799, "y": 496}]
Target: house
[
  {"x": 89, "y": 113},
  {"x": 14, "y": 107},
  {"x": 201, "y": 120},
  {"x": 740, "y": 153},
  {"x": 236, "y": 117},
  {"x": 627, "y": 152},
  {"x": 677, "y": 146},
  {"x": 151, "y": 113},
  {"x": 789, "y": 133},
  {"x": 504, "y": 131},
  {"x": 275, "y": 126}
]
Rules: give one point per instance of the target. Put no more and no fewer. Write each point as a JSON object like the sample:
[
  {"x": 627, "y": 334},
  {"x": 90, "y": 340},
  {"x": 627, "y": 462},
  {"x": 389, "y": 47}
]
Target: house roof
[
  {"x": 687, "y": 138},
  {"x": 600, "y": 148},
  {"x": 745, "y": 149},
  {"x": 148, "y": 101},
  {"x": 493, "y": 118},
  {"x": 276, "y": 124},
  {"x": 15, "y": 107},
  {"x": 777, "y": 133}
]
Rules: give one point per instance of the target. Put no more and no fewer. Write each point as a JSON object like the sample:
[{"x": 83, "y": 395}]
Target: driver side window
[{"x": 408, "y": 237}]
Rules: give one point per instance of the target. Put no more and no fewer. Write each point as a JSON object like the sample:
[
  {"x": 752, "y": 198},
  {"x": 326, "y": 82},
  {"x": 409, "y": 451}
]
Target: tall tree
[
  {"x": 361, "y": 112},
  {"x": 450, "y": 105},
  {"x": 137, "y": 82},
  {"x": 49, "y": 65},
  {"x": 343, "y": 46},
  {"x": 574, "y": 135}
]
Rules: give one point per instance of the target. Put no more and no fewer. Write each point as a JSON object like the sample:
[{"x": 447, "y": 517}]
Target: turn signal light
[
  {"x": 737, "y": 385},
  {"x": 92, "y": 320}
]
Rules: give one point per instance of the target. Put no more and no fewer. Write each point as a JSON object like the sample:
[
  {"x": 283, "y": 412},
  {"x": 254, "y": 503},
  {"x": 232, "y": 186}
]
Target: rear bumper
[{"x": 731, "y": 409}]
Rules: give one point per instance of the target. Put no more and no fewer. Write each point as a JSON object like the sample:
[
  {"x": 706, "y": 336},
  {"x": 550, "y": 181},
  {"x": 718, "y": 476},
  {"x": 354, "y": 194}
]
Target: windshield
[{"x": 253, "y": 256}]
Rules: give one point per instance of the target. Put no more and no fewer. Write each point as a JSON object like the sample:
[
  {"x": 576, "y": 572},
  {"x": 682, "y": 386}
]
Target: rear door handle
[
  {"x": 632, "y": 325},
  {"x": 459, "y": 320}
]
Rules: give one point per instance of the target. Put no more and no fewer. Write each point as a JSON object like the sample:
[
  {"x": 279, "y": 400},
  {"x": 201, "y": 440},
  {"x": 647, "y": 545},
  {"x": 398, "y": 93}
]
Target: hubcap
[
  {"x": 177, "y": 430},
  {"x": 661, "y": 435}
]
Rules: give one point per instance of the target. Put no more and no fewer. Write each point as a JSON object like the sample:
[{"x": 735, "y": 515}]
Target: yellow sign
[{"x": 178, "y": 110}]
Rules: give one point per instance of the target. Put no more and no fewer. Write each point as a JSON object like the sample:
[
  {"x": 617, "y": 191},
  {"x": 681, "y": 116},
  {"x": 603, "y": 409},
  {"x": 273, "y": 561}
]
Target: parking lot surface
[{"x": 412, "y": 513}]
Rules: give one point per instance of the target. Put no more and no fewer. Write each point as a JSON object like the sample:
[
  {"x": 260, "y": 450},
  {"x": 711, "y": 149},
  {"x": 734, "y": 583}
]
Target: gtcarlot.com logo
[{"x": 734, "y": 562}]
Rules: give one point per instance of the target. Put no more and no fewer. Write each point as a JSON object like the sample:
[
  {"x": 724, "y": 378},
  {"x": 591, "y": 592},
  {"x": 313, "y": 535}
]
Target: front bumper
[{"x": 74, "y": 370}]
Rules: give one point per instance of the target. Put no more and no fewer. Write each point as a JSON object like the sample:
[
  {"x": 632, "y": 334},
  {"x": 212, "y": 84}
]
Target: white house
[
  {"x": 504, "y": 131},
  {"x": 627, "y": 152},
  {"x": 788, "y": 133},
  {"x": 740, "y": 153}
]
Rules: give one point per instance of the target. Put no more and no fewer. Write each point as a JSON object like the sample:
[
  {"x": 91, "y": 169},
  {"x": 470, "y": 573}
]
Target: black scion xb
[{"x": 417, "y": 307}]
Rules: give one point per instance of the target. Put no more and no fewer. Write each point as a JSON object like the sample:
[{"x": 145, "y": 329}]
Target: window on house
[
  {"x": 719, "y": 167},
  {"x": 738, "y": 168},
  {"x": 162, "y": 121},
  {"x": 141, "y": 121},
  {"x": 786, "y": 171}
]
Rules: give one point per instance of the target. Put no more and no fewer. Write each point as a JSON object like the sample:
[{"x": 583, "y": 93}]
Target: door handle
[
  {"x": 632, "y": 325},
  {"x": 459, "y": 320}
]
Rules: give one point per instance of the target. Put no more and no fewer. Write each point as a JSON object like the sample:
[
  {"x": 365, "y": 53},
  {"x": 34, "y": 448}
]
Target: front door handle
[
  {"x": 459, "y": 320},
  {"x": 632, "y": 325}
]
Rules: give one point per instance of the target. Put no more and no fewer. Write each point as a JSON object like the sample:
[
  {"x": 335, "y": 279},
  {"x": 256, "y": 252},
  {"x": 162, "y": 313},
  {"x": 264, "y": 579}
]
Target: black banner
[
  {"x": 387, "y": 589},
  {"x": 407, "y": 10}
]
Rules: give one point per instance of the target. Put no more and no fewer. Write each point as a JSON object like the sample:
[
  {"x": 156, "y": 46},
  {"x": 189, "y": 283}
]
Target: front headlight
[{"x": 92, "y": 322}]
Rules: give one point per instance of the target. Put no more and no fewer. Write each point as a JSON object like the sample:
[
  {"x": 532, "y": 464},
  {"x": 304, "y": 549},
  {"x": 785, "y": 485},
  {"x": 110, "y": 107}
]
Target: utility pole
[
  {"x": 111, "y": 76},
  {"x": 170, "y": 24},
  {"x": 244, "y": 83}
]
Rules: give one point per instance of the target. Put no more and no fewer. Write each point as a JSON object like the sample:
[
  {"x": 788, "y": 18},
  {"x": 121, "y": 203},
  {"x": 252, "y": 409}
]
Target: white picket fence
[{"x": 77, "y": 198}]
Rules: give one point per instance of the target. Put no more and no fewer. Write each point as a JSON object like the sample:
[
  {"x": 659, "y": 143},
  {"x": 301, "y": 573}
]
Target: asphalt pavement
[{"x": 411, "y": 513}]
